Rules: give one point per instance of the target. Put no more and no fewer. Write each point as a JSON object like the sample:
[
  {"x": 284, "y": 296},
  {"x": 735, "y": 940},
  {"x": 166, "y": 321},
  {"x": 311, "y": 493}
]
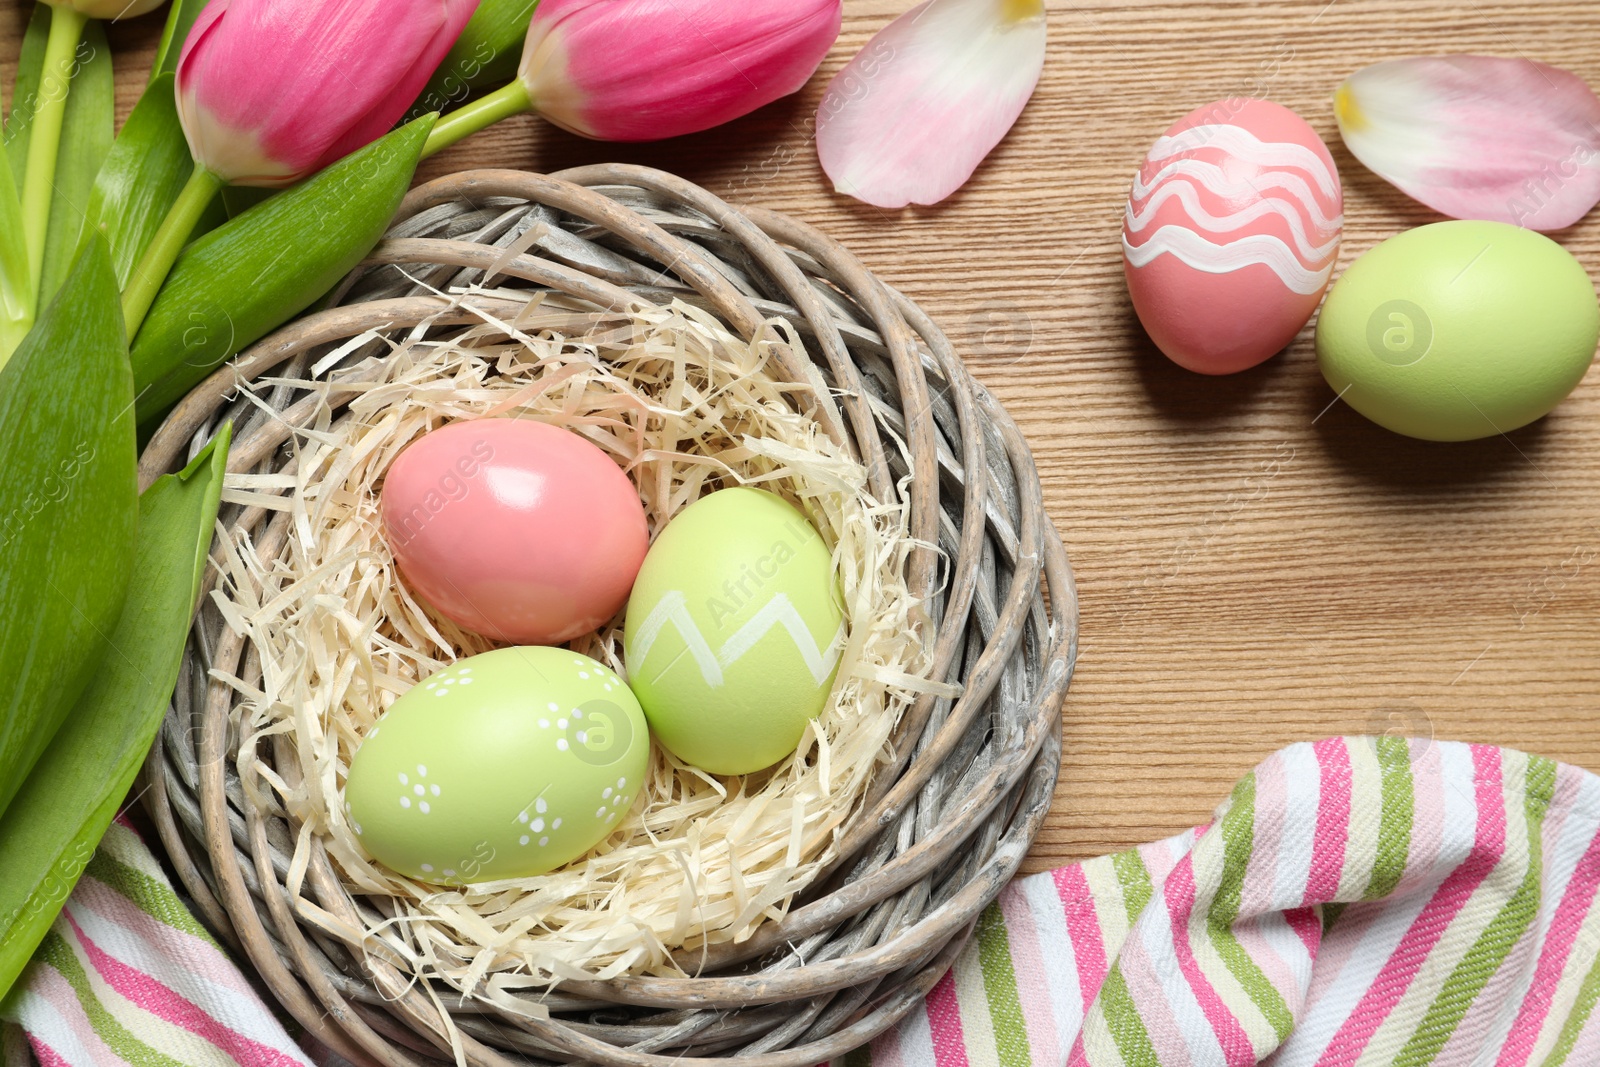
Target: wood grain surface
[{"x": 1258, "y": 564}]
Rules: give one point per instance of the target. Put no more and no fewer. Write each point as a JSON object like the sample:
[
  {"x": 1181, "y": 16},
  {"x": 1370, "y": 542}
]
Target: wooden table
[{"x": 1258, "y": 564}]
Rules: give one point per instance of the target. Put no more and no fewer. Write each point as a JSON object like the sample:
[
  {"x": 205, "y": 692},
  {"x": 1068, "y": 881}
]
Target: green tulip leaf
[
  {"x": 83, "y": 778},
  {"x": 180, "y": 20},
  {"x": 68, "y": 509},
  {"x": 85, "y": 140},
  {"x": 25, "y": 90},
  {"x": 487, "y": 53},
  {"x": 142, "y": 177},
  {"x": 252, "y": 274}
]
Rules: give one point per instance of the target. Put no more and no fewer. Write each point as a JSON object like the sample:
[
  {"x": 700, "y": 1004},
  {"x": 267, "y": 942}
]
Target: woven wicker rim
[{"x": 942, "y": 829}]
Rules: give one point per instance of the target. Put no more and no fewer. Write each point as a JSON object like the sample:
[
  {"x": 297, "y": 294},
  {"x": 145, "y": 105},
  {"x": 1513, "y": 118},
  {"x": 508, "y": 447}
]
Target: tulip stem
[
  {"x": 44, "y": 139},
  {"x": 173, "y": 233},
  {"x": 485, "y": 111}
]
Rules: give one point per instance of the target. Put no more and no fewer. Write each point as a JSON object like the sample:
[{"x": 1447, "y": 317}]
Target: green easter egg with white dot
[
  {"x": 504, "y": 765},
  {"x": 734, "y": 631}
]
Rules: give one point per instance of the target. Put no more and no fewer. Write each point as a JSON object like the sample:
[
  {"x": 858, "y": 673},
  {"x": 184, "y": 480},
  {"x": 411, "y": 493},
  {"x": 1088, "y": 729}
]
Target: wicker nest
[{"x": 966, "y": 782}]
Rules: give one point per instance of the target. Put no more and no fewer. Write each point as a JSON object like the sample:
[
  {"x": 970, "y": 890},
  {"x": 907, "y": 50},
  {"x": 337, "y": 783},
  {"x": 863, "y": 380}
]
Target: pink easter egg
[
  {"x": 1231, "y": 234},
  {"x": 514, "y": 529}
]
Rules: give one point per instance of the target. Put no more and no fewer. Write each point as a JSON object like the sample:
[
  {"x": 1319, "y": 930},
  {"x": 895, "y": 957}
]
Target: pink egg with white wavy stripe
[{"x": 1231, "y": 234}]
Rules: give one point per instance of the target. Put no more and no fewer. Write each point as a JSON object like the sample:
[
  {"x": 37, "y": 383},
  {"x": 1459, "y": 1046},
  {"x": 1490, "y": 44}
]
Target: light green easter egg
[
  {"x": 1459, "y": 330},
  {"x": 734, "y": 631},
  {"x": 503, "y": 765}
]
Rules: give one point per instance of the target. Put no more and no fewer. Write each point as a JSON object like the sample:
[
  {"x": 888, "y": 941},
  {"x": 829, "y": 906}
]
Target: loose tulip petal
[
  {"x": 913, "y": 114},
  {"x": 269, "y": 92},
  {"x": 642, "y": 70},
  {"x": 1478, "y": 137}
]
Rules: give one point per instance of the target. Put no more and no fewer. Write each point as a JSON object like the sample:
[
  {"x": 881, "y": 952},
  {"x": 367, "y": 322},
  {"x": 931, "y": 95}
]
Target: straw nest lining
[
  {"x": 558, "y": 297},
  {"x": 334, "y": 635}
]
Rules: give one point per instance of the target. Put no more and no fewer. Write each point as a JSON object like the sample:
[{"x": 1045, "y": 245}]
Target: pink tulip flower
[
  {"x": 641, "y": 70},
  {"x": 271, "y": 91}
]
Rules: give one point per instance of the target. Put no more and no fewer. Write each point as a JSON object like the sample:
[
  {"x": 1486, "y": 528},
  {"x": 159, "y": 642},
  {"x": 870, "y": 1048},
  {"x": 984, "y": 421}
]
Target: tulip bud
[
  {"x": 641, "y": 70},
  {"x": 270, "y": 92},
  {"x": 109, "y": 9}
]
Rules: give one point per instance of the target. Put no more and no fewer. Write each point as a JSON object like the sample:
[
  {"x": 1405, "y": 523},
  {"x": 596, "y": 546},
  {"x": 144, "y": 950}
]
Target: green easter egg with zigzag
[{"x": 734, "y": 631}]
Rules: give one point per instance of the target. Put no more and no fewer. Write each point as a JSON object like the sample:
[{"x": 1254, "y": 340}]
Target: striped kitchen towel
[
  {"x": 1365, "y": 902},
  {"x": 127, "y": 976}
]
